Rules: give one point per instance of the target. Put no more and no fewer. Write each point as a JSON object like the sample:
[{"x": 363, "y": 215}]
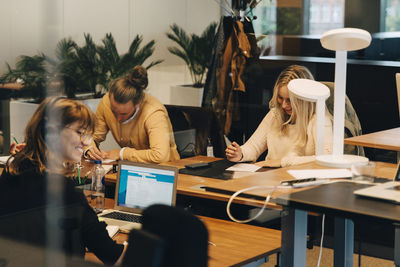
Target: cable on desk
[
  {"x": 322, "y": 239},
  {"x": 228, "y": 206}
]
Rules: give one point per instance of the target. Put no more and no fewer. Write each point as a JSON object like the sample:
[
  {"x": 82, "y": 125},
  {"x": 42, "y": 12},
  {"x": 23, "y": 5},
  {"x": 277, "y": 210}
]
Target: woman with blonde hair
[
  {"x": 40, "y": 205},
  {"x": 288, "y": 129}
]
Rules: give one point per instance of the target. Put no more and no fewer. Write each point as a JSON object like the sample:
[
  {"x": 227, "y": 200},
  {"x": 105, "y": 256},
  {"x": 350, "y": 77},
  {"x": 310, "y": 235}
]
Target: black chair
[{"x": 172, "y": 236}]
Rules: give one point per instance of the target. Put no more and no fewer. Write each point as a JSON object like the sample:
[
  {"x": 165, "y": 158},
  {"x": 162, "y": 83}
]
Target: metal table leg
[
  {"x": 344, "y": 242},
  {"x": 294, "y": 237}
]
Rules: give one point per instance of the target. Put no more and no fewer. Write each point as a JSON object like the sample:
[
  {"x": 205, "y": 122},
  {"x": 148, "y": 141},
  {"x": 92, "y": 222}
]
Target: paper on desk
[
  {"x": 320, "y": 173},
  {"x": 112, "y": 230},
  {"x": 107, "y": 168},
  {"x": 243, "y": 167},
  {"x": 3, "y": 159},
  {"x": 108, "y": 160}
]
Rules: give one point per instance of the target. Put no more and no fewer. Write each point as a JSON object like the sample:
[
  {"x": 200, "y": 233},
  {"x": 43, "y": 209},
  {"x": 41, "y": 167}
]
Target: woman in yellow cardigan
[{"x": 138, "y": 121}]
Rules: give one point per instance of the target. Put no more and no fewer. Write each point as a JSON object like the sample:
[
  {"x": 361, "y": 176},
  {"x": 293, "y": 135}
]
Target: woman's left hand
[
  {"x": 269, "y": 163},
  {"x": 112, "y": 154}
]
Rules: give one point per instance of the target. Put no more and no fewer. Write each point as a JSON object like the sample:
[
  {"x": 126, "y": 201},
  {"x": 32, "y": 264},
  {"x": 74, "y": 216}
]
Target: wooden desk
[
  {"x": 274, "y": 177},
  {"x": 190, "y": 185},
  {"x": 235, "y": 244},
  {"x": 387, "y": 139}
]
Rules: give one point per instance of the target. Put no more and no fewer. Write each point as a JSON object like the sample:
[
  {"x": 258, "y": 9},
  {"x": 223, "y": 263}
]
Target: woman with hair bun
[{"x": 138, "y": 121}]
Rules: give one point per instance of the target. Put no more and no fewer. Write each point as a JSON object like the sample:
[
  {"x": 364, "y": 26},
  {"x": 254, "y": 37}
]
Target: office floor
[{"x": 327, "y": 259}]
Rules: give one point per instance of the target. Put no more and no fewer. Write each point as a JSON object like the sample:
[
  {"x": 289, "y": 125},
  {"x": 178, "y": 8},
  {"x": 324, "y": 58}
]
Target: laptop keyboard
[{"x": 123, "y": 216}]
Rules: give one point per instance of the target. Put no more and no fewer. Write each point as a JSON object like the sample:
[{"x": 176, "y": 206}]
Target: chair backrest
[
  {"x": 352, "y": 125},
  {"x": 145, "y": 249},
  {"x": 184, "y": 235},
  {"x": 185, "y": 141},
  {"x": 398, "y": 90}
]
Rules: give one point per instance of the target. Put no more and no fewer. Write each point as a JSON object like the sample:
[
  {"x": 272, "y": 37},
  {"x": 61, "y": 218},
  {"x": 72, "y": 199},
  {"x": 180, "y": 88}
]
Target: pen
[{"x": 15, "y": 139}]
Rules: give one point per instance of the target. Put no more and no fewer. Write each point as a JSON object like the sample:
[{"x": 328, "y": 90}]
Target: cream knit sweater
[{"x": 284, "y": 147}]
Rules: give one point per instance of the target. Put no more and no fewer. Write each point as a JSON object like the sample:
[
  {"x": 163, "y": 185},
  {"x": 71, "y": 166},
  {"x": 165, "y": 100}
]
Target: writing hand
[
  {"x": 112, "y": 154},
  {"x": 14, "y": 148},
  {"x": 96, "y": 153},
  {"x": 269, "y": 163},
  {"x": 234, "y": 152}
]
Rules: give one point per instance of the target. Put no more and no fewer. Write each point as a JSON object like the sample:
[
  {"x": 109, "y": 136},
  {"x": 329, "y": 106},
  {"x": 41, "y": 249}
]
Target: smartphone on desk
[{"x": 199, "y": 165}]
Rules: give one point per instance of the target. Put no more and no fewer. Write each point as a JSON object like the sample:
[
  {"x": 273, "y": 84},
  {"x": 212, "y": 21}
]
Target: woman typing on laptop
[{"x": 40, "y": 205}]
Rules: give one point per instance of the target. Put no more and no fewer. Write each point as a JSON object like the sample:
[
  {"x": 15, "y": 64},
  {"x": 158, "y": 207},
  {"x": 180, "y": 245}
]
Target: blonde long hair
[
  {"x": 302, "y": 111},
  {"x": 67, "y": 111}
]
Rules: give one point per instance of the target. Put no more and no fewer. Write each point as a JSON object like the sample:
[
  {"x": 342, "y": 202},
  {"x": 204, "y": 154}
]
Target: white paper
[
  {"x": 107, "y": 168},
  {"x": 243, "y": 167},
  {"x": 112, "y": 230},
  {"x": 107, "y": 160},
  {"x": 320, "y": 173},
  {"x": 3, "y": 159}
]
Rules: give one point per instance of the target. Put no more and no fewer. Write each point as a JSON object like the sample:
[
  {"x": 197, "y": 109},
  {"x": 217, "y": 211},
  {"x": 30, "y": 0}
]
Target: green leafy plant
[
  {"x": 32, "y": 72},
  {"x": 115, "y": 65},
  {"x": 194, "y": 50},
  {"x": 78, "y": 68}
]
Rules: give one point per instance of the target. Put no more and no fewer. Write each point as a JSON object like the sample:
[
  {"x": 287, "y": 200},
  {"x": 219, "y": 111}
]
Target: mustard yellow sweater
[{"x": 148, "y": 137}]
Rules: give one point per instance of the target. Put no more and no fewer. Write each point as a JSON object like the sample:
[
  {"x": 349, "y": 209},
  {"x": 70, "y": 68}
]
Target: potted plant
[
  {"x": 76, "y": 69},
  {"x": 195, "y": 51}
]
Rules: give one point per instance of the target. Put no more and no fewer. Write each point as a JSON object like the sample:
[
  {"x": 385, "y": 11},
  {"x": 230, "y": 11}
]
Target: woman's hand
[
  {"x": 269, "y": 163},
  {"x": 96, "y": 153},
  {"x": 234, "y": 152},
  {"x": 14, "y": 148},
  {"x": 112, "y": 154}
]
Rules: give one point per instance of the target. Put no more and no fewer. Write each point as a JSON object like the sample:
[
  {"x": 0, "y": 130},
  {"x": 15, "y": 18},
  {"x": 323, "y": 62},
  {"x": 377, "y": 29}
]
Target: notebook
[
  {"x": 138, "y": 186},
  {"x": 389, "y": 191}
]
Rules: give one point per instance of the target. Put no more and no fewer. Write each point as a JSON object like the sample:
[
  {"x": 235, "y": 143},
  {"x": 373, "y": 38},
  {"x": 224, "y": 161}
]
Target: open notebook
[
  {"x": 389, "y": 191},
  {"x": 138, "y": 186}
]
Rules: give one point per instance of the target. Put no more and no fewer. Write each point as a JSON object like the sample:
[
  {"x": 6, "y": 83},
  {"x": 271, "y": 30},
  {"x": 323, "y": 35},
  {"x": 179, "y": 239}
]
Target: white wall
[{"x": 29, "y": 26}]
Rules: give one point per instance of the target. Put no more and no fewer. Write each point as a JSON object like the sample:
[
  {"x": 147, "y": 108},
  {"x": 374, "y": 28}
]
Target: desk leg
[
  {"x": 396, "y": 255},
  {"x": 294, "y": 237},
  {"x": 344, "y": 242}
]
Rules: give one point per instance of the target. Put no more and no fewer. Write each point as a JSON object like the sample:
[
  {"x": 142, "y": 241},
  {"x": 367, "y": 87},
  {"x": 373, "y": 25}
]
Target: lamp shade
[
  {"x": 312, "y": 91},
  {"x": 346, "y": 39},
  {"x": 308, "y": 90}
]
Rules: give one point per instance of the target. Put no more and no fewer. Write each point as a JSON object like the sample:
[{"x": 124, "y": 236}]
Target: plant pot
[{"x": 186, "y": 95}]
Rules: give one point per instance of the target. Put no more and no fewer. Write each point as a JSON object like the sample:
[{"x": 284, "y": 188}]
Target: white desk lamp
[
  {"x": 341, "y": 41},
  {"x": 310, "y": 90}
]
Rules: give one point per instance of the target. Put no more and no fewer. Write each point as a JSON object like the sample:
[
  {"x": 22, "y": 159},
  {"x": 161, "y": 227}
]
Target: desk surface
[
  {"x": 274, "y": 177},
  {"x": 387, "y": 139},
  {"x": 190, "y": 185},
  {"x": 235, "y": 244},
  {"x": 338, "y": 199}
]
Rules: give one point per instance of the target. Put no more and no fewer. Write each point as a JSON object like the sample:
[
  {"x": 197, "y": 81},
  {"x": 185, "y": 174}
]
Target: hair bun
[{"x": 138, "y": 78}]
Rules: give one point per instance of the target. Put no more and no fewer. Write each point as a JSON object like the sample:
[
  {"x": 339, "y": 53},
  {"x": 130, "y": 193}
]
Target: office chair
[
  {"x": 184, "y": 238},
  {"x": 352, "y": 125}
]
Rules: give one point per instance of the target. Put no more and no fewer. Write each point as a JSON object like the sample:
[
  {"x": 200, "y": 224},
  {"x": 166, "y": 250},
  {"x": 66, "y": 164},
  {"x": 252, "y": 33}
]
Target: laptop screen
[{"x": 141, "y": 185}]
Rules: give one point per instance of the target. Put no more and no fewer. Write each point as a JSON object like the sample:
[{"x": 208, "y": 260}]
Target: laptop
[
  {"x": 389, "y": 191},
  {"x": 138, "y": 186}
]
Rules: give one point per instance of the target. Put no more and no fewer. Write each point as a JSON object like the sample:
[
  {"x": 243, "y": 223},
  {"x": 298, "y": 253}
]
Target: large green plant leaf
[{"x": 194, "y": 50}]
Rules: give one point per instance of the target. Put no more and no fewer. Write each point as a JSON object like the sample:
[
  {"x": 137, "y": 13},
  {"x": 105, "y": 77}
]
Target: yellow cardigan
[{"x": 148, "y": 137}]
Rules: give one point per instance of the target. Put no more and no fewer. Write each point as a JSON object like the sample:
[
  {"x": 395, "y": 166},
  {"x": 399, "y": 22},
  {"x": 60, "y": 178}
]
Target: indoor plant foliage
[
  {"x": 115, "y": 65},
  {"x": 32, "y": 72},
  {"x": 77, "y": 68},
  {"x": 194, "y": 50}
]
